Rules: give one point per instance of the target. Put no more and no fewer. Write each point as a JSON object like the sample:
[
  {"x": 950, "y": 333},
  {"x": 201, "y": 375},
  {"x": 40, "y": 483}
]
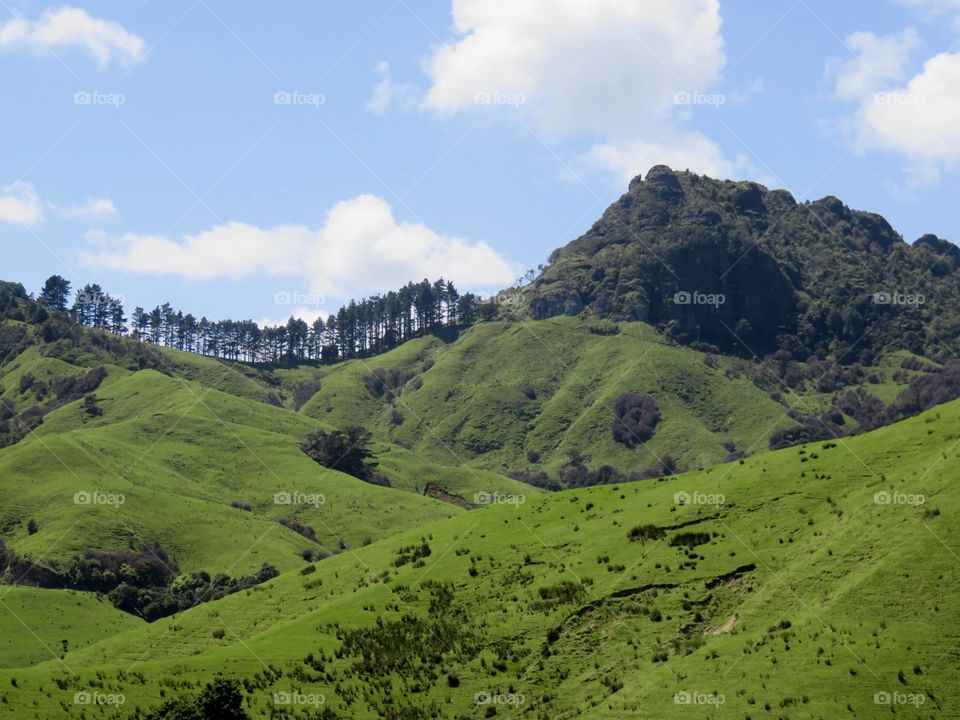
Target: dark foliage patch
[{"x": 635, "y": 418}]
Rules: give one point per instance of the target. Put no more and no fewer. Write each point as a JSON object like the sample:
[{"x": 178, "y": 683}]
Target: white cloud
[
  {"x": 360, "y": 249},
  {"x": 919, "y": 120},
  {"x": 608, "y": 69},
  {"x": 67, "y": 28},
  {"x": 91, "y": 209},
  {"x": 877, "y": 62},
  {"x": 308, "y": 315},
  {"x": 388, "y": 94},
  {"x": 234, "y": 250},
  {"x": 915, "y": 117},
  {"x": 681, "y": 151},
  {"x": 581, "y": 65},
  {"x": 20, "y": 205}
]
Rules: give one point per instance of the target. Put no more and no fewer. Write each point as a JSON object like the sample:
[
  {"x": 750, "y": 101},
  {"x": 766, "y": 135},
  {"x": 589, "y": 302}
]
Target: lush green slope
[
  {"x": 504, "y": 389},
  {"x": 39, "y": 625},
  {"x": 180, "y": 454},
  {"x": 823, "y": 576},
  {"x": 192, "y": 458}
]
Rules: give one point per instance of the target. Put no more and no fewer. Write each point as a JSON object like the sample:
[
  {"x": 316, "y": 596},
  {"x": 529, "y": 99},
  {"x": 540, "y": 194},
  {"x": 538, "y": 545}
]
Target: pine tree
[{"x": 55, "y": 293}]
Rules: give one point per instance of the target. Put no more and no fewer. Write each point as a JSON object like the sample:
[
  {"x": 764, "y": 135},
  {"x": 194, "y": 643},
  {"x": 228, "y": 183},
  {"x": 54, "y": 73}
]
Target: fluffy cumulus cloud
[
  {"x": 916, "y": 116},
  {"x": 876, "y": 62},
  {"x": 304, "y": 312},
  {"x": 680, "y": 150},
  {"x": 612, "y": 69},
  {"x": 920, "y": 118},
  {"x": 20, "y": 205},
  {"x": 361, "y": 248},
  {"x": 69, "y": 28}
]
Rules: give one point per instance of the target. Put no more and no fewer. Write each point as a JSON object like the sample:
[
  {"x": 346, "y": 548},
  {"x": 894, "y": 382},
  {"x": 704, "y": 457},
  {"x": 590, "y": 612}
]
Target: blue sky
[{"x": 249, "y": 161}]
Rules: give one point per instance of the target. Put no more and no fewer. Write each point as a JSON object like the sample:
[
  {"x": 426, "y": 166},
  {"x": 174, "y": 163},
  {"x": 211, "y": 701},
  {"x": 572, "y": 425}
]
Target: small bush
[
  {"x": 635, "y": 418},
  {"x": 689, "y": 539},
  {"x": 645, "y": 532}
]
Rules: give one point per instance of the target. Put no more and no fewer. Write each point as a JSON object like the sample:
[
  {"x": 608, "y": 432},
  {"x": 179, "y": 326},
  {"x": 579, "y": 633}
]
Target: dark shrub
[
  {"x": 303, "y": 392},
  {"x": 298, "y": 527},
  {"x": 635, "y": 418},
  {"x": 689, "y": 539},
  {"x": 645, "y": 532},
  {"x": 345, "y": 450},
  {"x": 385, "y": 382}
]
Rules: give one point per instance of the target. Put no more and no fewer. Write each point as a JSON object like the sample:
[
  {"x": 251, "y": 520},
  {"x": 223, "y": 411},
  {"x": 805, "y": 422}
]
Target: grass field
[
  {"x": 779, "y": 586},
  {"x": 39, "y": 625},
  {"x": 179, "y": 454},
  {"x": 809, "y": 582},
  {"x": 504, "y": 389}
]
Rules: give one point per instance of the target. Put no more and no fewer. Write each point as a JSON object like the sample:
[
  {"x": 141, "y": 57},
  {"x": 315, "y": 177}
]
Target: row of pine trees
[{"x": 369, "y": 326}]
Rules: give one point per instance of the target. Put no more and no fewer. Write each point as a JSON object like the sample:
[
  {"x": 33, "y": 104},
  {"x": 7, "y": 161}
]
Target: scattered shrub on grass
[
  {"x": 635, "y": 418},
  {"x": 645, "y": 532},
  {"x": 689, "y": 539}
]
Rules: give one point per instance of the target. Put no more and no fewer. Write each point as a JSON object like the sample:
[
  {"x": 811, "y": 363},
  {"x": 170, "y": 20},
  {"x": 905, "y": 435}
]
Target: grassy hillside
[
  {"x": 180, "y": 454},
  {"x": 812, "y": 582},
  {"x": 39, "y": 625},
  {"x": 506, "y": 389}
]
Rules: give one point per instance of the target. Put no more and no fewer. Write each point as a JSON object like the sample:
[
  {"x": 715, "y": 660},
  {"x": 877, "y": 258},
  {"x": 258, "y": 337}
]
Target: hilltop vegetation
[{"x": 751, "y": 271}]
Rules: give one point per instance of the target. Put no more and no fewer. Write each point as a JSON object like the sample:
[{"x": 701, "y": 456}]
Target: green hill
[
  {"x": 521, "y": 396},
  {"x": 752, "y": 271},
  {"x": 39, "y": 625},
  {"x": 180, "y": 454},
  {"x": 682, "y": 564},
  {"x": 808, "y": 582}
]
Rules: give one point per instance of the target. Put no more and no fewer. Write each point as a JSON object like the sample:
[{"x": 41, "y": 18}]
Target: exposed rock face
[{"x": 747, "y": 269}]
